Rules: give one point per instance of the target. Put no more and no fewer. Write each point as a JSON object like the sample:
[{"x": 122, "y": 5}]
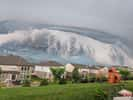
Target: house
[
  {"x": 85, "y": 70},
  {"x": 130, "y": 69},
  {"x": 68, "y": 71},
  {"x": 15, "y": 68},
  {"x": 103, "y": 71},
  {"x": 99, "y": 71},
  {"x": 43, "y": 69},
  {"x": 9, "y": 72},
  {"x": 69, "y": 68}
]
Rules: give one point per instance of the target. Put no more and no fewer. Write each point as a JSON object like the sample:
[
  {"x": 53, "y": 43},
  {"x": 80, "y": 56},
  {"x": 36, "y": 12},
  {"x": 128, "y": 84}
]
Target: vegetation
[
  {"x": 130, "y": 77},
  {"x": 84, "y": 80},
  {"x": 35, "y": 78},
  {"x": 26, "y": 83},
  {"x": 62, "y": 81},
  {"x": 58, "y": 73},
  {"x": 90, "y": 91},
  {"x": 2, "y": 85},
  {"x": 44, "y": 82},
  {"x": 101, "y": 79},
  {"x": 124, "y": 73},
  {"x": 76, "y": 75},
  {"x": 92, "y": 78}
]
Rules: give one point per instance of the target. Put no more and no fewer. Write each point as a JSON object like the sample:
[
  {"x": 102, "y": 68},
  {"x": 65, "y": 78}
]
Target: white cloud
[{"x": 67, "y": 45}]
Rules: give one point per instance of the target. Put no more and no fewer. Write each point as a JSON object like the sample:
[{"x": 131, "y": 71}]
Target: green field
[{"x": 90, "y": 91}]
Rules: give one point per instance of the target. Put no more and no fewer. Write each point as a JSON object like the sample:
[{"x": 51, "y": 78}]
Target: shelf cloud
[{"x": 111, "y": 16}]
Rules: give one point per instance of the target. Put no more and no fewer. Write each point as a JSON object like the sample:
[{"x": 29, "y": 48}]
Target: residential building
[
  {"x": 15, "y": 68},
  {"x": 85, "y": 70},
  {"x": 43, "y": 69},
  {"x": 68, "y": 70}
]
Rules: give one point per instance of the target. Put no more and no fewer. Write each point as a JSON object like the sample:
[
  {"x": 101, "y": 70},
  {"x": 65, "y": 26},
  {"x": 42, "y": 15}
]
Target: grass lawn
[{"x": 87, "y": 91}]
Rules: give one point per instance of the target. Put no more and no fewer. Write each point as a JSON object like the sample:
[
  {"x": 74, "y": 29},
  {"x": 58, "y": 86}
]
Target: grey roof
[
  {"x": 50, "y": 63},
  {"x": 13, "y": 60}
]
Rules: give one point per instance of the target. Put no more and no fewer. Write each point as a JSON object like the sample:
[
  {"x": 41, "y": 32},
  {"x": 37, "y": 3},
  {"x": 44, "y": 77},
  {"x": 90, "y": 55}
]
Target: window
[
  {"x": 28, "y": 76},
  {"x": 22, "y": 68}
]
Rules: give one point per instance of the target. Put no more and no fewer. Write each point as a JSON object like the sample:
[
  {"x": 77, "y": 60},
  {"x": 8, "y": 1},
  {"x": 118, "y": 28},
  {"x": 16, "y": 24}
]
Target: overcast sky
[{"x": 115, "y": 16}]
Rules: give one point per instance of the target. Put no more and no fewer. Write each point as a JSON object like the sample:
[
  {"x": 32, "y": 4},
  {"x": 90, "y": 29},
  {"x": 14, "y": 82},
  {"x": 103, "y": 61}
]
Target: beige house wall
[
  {"x": 44, "y": 75},
  {"x": 20, "y": 72},
  {"x": 5, "y": 76}
]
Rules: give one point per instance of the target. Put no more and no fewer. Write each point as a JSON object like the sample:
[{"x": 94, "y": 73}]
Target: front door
[{"x": 13, "y": 77}]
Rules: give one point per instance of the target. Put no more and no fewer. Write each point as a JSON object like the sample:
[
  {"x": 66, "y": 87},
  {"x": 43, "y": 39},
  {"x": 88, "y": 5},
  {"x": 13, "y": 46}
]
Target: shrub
[
  {"x": 2, "y": 84},
  {"x": 124, "y": 73},
  {"x": 104, "y": 79},
  {"x": 75, "y": 76},
  {"x": 101, "y": 94},
  {"x": 101, "y": 79},
  {"x": 44, "y": 82},
  {"x": 62, "y": 81},
  {"x": 35, "y": 83},
  {"x": 35, "y": 78},
  {"x": 84, "y": 80},
  {"x": 130, "y": 77},
  {"x": 17, "y": 82},
  {"x": 26, "y": 83},
  {"x": 107, "y": 93},
  {"x": 92, "y": 78}
]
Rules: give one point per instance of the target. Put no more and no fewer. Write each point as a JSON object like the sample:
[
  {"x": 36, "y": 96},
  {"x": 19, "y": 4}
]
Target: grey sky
[{"x": 115, "y": 16}]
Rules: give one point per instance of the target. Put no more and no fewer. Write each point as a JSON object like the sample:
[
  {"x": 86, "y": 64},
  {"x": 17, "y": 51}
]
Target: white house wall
[
  {"x": 9, "y": 68},
  {"x": 43, "y": 69}
]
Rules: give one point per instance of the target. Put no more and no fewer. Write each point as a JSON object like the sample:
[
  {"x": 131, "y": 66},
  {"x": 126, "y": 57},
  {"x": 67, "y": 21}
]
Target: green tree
[
  {"x": 58, "y": 73},
  {"x": 76, "y": 75},
  {"x": 124, "y": 74}
]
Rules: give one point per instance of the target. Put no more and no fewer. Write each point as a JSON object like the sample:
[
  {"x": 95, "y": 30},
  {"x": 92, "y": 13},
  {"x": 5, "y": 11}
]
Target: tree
[
  {"x": 58, "y": 73},
  {"x": 76, "y": 75},
  {"x": 124, "y": 73}
]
